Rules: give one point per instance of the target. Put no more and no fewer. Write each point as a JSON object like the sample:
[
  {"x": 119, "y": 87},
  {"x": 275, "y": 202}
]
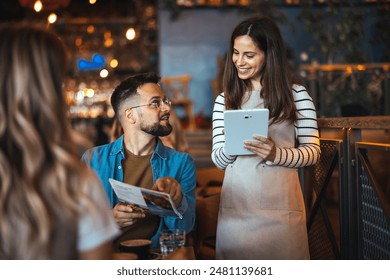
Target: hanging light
[
  {"x": 130, "y": 34},
  {"x": 38, "y": 6},
  {"x": 48, "y": 5},
  {"x": 103, "y": 73},
  {"x": 114, "y": 63},
  {"x": 52, "y": 18}
]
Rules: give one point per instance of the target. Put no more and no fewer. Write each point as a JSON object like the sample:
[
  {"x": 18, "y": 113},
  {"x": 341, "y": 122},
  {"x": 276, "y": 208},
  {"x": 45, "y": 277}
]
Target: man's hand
[
  {"x": 171, "y": 186},
  {"x": 126, "y": 214}
]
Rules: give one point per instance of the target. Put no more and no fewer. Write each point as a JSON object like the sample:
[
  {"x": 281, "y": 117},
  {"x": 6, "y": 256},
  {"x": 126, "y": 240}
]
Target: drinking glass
[{"x": 170, "y": 240}]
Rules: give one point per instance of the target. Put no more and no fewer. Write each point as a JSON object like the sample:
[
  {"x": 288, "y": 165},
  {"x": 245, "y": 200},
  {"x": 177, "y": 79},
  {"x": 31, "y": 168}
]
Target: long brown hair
[
  {"x": 40, "y": 173},
  {"x": 276, "y": 78}
]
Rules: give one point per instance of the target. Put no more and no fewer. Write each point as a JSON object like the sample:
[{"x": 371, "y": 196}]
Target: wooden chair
[
  {"x": 209, "y": 180},
  {"x": 206, "y": 226},
  {"x": 177, "y": 89},
  {"x": 209, "y": 183}
]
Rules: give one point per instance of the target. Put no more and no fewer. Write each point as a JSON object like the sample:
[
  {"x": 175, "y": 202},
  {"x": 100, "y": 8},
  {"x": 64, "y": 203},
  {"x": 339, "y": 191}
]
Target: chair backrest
[
  {"x": 176, "y": 87},
  {"x": 209, "y": 176},
  {"x": 209, "y": 180},
  {"x": 206, "y": 225}
]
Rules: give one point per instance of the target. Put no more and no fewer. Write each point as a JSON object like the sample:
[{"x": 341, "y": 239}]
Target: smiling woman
[
  {"x": 248, "y": 59},
  {"x": 261, "y": 191}
]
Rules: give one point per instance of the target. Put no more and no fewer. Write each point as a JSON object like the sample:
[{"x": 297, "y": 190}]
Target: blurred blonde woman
[{"x": 51, "y": 205}]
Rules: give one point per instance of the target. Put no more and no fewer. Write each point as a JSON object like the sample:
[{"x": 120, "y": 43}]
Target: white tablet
[{"x": 241, "y": 125}]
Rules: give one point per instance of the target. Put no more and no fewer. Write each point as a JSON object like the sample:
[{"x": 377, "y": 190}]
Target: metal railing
[
  {"x": 355, "y": 161},
  {"x": 373, "y": 206},
  {"x": 323, "y": 238}
]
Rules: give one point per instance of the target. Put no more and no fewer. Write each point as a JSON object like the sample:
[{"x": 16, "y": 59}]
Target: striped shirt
[{"x": 307, "y": 151}]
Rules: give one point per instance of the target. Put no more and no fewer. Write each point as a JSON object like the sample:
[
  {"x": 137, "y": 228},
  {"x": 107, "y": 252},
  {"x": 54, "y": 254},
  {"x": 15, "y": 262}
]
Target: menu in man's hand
[{"x": 158, "y": 203}]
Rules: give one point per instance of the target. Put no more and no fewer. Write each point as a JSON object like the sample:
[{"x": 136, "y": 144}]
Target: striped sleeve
[
  {"x": 218, "y": 155},
  {"x": 308, "y": 151}
]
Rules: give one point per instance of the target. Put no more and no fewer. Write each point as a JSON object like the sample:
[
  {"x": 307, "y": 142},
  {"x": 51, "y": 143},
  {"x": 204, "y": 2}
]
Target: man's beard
[{"x": 157, "y": 129}]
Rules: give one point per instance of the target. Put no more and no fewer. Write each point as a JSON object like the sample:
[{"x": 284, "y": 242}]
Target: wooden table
[{"x": 183, "y": 253}]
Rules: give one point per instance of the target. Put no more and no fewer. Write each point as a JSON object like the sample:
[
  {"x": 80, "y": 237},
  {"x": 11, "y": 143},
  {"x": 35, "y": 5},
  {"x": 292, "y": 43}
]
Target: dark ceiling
[{"x": 12, "y": 10}]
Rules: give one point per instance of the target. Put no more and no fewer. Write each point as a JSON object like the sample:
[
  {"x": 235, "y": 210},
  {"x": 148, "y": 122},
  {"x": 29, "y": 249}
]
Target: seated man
[{"x": 139, "y": 158}]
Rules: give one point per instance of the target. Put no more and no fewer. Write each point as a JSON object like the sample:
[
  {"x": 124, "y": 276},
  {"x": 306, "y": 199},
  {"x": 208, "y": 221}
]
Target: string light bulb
[
  {"x": 130, "y": 34},
  {"x": 114, "y": 63},
  {"x": 103, "y": 73},
  {"x": 38, "y": 6},
  {"x": 52, "y": 18}
]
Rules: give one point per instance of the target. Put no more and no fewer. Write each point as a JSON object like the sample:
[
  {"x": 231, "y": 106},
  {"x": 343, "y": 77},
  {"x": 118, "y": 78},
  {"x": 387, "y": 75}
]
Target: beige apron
[{"x": 262, "y": 212}]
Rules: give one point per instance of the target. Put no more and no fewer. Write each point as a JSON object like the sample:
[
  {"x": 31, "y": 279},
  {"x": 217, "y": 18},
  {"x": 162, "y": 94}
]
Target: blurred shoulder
[
  {"x": 220, "y": 98},
  {"x": 300, "y": 92},
  {"x": 102, "y": 151}
]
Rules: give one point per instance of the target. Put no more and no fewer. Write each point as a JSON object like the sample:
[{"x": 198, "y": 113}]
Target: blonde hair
[{"x": 41, "y": 177}]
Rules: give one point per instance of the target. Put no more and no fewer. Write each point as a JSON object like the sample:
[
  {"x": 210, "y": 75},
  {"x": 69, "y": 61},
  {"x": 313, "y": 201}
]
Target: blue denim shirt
[{"x": 106, "y": 161}]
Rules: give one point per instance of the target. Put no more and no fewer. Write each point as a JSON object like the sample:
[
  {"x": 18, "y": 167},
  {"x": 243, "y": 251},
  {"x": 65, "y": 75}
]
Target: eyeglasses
[{"x": 156, "y": 103}]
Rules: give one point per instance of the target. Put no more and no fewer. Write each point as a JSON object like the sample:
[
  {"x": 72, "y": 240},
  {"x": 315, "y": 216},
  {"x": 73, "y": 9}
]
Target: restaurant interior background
[{"x": 340, "y": 49}]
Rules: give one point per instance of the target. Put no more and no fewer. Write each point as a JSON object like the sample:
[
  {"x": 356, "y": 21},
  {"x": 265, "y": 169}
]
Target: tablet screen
[{"x": 241, "y": 125}]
